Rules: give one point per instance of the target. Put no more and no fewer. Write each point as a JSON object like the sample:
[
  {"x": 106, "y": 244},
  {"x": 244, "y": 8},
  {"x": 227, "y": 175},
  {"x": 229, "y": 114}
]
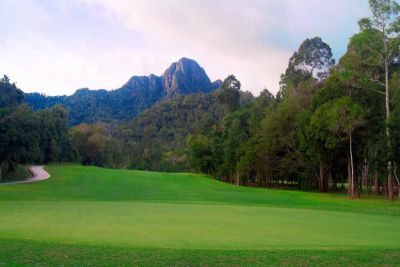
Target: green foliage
[
  {"x": 384, "y": 15},
  {"x": 27, "y": 136},
  {"x": 20, "y": 173},
  {"x": 157, "y": 138},
  {"x": 200, "y": 157},
  {"x": 312, "y": 60},
  {"x": 335, "y": 119},
  {"x": 229, "y": 95},
  {"x": 96, "y": 146},
  {"x": 10, "y": 95}
]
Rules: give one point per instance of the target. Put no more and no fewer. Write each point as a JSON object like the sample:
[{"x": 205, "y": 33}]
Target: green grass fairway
[{"x": 92, "y": 216}]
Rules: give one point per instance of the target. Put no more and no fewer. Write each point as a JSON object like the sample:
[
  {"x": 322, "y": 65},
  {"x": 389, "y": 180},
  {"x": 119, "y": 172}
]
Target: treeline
[
  {"x": 328, "y": 126},
  {"x": 27, "y": 136}
]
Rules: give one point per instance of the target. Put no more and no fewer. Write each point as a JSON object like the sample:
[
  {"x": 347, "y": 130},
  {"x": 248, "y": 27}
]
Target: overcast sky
[{"x": 56, "y": 46}]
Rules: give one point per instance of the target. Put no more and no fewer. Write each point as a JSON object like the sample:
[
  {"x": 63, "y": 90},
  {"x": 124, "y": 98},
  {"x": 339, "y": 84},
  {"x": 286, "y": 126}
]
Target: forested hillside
[
  {"x": 156, "y": 139},
  {"x": 139, "y": 93},
  {"x": 27, "y": 136}
]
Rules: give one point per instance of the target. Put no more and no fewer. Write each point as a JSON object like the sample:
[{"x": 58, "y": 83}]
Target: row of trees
[{"x": 329, "y": 124}]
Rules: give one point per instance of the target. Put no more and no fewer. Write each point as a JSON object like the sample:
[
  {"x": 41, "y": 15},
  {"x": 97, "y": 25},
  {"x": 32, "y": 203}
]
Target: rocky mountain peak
[{"x": 184, "y": 77}]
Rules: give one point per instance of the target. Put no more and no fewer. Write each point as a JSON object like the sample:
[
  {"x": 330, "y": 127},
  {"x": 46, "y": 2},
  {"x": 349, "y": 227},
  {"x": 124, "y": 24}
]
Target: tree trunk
[
  {"x": 357, "y": 188},
  {"x": 397, "y": 179},
  {"x": 387, "y": 98},
  {"x": 331, "y": 184},
  {"x": 321, "y": 178},
  {"x": 349, "y": 178},
  {"x": 385, "y": 188},
  {"x": 365, "y": 174},
  {"x": 376, "y": 183},
  {"x": 351, "y": 164},
  {"x": 342, "y": 181},
  {"x": 390, "y": 181}
]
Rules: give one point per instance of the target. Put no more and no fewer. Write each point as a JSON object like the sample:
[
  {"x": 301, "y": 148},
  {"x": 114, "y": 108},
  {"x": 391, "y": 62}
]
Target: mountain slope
[
  {"x": 139, "y": 93},
  {"x": 156, "y": 138}
]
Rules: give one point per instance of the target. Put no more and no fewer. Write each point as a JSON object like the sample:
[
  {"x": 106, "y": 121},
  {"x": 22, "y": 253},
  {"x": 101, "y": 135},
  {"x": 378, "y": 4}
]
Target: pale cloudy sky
[{"x": 58, "y": 46}]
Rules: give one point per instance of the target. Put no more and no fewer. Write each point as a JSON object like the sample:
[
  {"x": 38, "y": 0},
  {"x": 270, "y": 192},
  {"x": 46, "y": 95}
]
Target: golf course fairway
[{"x": 96, "y": 217}]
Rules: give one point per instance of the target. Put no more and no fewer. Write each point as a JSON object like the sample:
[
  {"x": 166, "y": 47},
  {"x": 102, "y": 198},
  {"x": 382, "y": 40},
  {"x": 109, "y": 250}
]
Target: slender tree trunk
[
  {"x": 385, "y": 188},
  {"x": 351, "y": 164},
  {"x": 365, "y": 174},
  {"x": 330, "y": 182},
  {"x": 349, "y": 178},
  {"x": 390, "y": 181},
  {"x": 237, "y": 178},
  {"x": 397, "y": 179},
  {"x": 376, "y": 183},
  {"x": 321, "y": 178},
  {"x": 342, "y": 181},
  {"x": 387, "y": 94},
  {"x": 357, "y": 187}
]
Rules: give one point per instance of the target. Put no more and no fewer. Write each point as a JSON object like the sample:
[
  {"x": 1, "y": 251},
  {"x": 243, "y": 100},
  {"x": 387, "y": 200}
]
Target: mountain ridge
[{"x": 183, "y": 77}]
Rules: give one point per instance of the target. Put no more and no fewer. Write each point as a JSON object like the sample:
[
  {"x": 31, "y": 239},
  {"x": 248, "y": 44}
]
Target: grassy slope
[{"x": 81, "y": 213}]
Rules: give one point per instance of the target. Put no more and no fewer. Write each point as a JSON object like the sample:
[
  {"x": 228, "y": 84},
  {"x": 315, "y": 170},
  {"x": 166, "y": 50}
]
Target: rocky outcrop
[{"x": 186, "y": 77}]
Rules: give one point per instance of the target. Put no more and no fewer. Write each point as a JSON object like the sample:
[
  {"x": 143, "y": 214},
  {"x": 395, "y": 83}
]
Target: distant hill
[{"x": 139, "y": 93}]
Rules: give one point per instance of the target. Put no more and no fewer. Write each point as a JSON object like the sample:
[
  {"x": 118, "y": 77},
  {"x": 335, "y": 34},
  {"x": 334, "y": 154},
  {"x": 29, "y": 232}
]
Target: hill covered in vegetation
[{"x": 139, "y": 93}]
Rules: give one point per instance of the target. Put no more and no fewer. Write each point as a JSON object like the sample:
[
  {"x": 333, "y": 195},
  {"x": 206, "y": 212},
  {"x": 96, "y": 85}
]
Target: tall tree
[
  {"x": 334, "y": 119},
  {"x": 312, "y": 60},
  {"x": 10, "y": 95},
  {"x": 386, "y": 21},
  {"x": 230, "y": 93}
]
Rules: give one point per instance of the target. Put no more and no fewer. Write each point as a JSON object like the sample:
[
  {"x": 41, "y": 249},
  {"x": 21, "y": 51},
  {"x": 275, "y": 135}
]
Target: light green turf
[{"x": 86, "y": 206}]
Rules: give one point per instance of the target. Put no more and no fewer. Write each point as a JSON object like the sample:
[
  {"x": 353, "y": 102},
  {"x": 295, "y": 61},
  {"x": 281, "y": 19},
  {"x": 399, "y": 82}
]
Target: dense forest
[
  {"x": 328, "y": 125},
  {"x": 332, "y": 126},
  {"x": 27, "y": 136}
]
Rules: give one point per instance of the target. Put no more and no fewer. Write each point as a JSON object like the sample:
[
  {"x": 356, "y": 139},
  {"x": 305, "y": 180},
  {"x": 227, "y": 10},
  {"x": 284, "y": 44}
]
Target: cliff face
[{"x": 186, "y": 77}]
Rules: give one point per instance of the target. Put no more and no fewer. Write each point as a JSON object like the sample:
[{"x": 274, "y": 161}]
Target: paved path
[{"x": 38, "y": 174}]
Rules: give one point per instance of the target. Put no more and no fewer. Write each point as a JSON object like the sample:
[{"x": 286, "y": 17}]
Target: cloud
[{"x": 101, "y": 43}]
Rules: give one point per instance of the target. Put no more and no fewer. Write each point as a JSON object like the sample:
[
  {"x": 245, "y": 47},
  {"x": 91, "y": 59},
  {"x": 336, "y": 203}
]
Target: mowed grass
[{"x": 92, "y": 216}]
